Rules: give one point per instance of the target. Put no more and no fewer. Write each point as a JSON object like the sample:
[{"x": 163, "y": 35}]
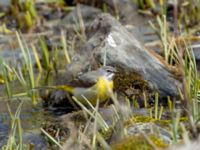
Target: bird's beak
[{"x": 110, "y": 76}]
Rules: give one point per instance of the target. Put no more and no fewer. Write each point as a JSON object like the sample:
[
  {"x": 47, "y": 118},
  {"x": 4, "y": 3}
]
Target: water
[
  {"x": 31, "y": 118},
  {"x": 4, "y": 2}
]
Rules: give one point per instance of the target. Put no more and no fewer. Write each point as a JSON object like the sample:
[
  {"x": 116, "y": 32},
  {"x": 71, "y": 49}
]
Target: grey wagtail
[{"x": 101, "y": 90}]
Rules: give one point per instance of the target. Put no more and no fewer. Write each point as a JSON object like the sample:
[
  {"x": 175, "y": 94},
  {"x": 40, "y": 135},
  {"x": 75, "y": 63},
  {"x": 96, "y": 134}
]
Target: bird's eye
[{"x": 109, "y": 70}]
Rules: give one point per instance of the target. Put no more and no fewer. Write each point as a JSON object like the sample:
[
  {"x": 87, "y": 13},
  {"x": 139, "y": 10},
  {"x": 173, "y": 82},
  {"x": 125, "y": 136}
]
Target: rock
[
  {"x": 15, "y": 57},
  {"x": 139, "y": 133},
  {"x": 73, "y": 121},
  {"x": 110, "y": 42},
  {"x": 140, "y": 143},
  {"x": 37, "y": 140},
  {"x": 196, "y": 50},
  {"x": 187, "y": 145},
  {"x": 84, "y": 12},
  {"x": 149, "y": 129}
]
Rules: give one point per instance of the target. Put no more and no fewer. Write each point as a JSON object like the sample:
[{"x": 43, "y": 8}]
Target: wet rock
[{"x": 110, "y": 42}]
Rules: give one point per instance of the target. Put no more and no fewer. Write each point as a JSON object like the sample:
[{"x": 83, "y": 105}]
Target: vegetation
[
  {"x": 15, "y": 140},
  {"x": 37, "y": 71}
]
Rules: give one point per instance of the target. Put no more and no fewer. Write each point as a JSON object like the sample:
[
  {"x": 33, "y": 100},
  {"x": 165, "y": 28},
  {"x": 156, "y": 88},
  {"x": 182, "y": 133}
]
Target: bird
[{"x": 101, "y": 88}]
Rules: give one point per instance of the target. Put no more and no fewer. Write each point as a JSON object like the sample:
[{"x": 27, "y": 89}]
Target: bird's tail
[
  {"x": 58, "y": 87},
  {"x": 67, "y": 88}
]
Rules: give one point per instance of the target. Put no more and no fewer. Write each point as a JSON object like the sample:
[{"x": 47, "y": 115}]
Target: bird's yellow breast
[{"x": 104, "y": 87}]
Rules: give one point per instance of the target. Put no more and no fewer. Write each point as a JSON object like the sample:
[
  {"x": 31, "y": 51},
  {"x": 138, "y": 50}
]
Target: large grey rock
[{"x": 110, "y": 42}]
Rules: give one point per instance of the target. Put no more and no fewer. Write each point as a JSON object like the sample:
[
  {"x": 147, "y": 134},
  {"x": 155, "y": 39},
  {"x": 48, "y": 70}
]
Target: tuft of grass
[
  {"x": 15, "y": 140},
  {"x": 6, "y": 74},
  {"x": 156, "y": 106},
  {"x": 175, "y": 125},
  {"x": 156, "y": 112},
  {"x": 29, "y": 6},
  {"x": 79, "y": 28},
  {"x": 28, "y": 68},
  {"x": 145, "y": 4},
  {"x": 45, "y": 55},
  {"x": 28, "y": 19},
  {"x": 64, "y": 44},
  {"x": 37, "y": 59},
  {"x": 176, "y": 52},
  {"x": 28, "y": 10},
  {"x": 100, "y": 120},
  {"x": 191, "y": 9}
]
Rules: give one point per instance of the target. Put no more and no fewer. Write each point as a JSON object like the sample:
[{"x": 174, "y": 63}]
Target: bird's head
[{"x": 108, "y": 72}]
